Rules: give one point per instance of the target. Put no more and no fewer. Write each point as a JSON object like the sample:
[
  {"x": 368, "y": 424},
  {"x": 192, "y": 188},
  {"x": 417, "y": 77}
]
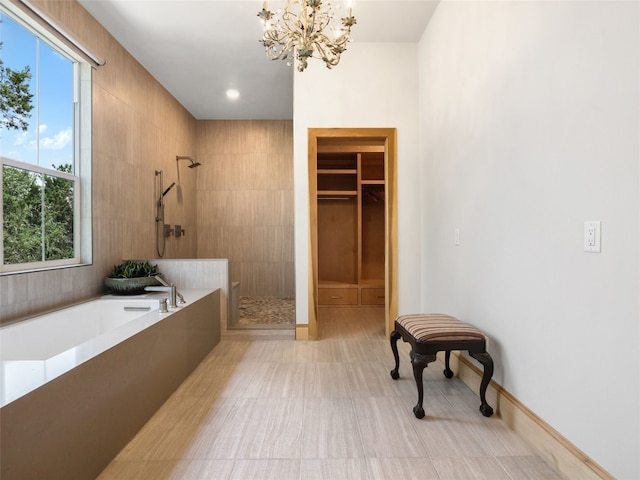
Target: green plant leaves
[{"x": 134, "y": 269}]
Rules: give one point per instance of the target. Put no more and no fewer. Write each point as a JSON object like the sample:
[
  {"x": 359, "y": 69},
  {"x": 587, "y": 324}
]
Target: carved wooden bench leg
[
  {"x": 419, "y": 362},
  {"x": 447, "y": 371},
  {"x": 395, "y": 336},
  {"x": 487, "y": 362}
]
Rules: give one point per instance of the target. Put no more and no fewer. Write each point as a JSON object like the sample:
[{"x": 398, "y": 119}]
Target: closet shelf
[
  {"x": 336, "y": 284},
  {"x": 337, "y": 193},
  {"x": 337, "y": 171}
]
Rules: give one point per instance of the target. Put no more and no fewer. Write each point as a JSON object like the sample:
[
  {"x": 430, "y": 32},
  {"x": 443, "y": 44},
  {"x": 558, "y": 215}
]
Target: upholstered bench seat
[{"x": 431, "y": 333}]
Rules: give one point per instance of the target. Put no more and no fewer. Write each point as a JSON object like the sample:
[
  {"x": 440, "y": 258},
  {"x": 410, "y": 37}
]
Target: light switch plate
[{"x": 592, "y": 236}]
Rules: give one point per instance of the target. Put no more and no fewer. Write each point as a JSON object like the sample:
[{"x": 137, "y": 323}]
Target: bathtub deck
[{"x": 74, "y": 425}]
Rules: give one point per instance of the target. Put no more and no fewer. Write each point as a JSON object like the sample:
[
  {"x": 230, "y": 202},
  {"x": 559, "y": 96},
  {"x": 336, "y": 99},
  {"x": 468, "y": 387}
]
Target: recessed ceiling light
[{"x": 233, "y": 94}]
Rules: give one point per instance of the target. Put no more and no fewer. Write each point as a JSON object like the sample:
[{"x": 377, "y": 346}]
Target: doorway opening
[{"x": 352, "y": 221}]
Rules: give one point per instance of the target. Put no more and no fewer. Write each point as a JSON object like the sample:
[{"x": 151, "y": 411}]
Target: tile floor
[{"x": 274, "y": 408}]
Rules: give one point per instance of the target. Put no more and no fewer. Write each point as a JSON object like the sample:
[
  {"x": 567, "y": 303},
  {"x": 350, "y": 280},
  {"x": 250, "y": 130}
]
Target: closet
[{"x": 351, "y": 224}]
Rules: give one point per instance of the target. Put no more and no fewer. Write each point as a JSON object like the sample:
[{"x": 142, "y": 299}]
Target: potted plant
[{"x": 131, "y": 277}]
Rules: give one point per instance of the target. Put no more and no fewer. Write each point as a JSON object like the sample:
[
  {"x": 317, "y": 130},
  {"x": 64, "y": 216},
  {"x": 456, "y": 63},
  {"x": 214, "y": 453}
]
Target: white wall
[
  {"x": 529, "y": 127},
  {"x": 374, "y": 86}
]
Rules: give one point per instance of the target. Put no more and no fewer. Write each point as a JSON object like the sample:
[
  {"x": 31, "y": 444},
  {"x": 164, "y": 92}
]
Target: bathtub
[
  {"x": 78, "y": 383},
  {"x": 36, "y": 351}
]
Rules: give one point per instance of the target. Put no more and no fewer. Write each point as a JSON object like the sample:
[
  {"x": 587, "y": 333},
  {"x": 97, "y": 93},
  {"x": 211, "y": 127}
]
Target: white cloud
[
  {"x": 21, "y": 137},
  {"x": 58, "y": 141},
  {"x": 43, "y": 128}
]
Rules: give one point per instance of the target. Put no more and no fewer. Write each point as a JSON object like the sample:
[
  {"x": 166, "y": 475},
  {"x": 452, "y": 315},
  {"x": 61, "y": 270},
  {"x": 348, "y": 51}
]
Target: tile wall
[
  {"x": 245, "y": 202},
  {"x": 243, "y": 190},
  {"x": 138, "y": 128}
]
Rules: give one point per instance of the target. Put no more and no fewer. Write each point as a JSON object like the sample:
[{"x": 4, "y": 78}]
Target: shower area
[
  {"x": 249, "y": 233},
  {"x": 244, "y": 203},
  {"x": 164, "y": 230}
]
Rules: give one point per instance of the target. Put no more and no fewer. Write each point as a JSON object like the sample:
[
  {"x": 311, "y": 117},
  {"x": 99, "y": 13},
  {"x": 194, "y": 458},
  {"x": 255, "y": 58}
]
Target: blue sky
[{"x": 49, "y": 138}]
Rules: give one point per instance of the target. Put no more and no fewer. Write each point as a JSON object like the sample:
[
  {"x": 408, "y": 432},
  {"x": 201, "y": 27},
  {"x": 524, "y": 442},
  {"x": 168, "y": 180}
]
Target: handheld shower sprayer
[
  {"x": 161, "y": 192},
  {"x": 168, "y": 188},
  {"x": 193, "y": 164},
  {"x": 161, "y": 228}
]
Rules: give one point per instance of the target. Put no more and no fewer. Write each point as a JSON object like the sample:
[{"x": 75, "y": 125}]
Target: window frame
[{"x": 82, "y": 133}]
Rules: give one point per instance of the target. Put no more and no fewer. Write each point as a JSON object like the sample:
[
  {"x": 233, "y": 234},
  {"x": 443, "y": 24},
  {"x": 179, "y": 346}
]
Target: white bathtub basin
[{"x": 37, "y": 350}]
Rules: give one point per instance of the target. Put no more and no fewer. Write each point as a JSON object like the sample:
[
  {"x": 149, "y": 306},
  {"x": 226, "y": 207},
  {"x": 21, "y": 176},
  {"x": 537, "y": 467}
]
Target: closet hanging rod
[{"x": 40, "y": 15}]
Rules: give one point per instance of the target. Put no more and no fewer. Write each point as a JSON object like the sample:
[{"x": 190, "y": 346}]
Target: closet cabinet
[{"x": 351, "y": 225}]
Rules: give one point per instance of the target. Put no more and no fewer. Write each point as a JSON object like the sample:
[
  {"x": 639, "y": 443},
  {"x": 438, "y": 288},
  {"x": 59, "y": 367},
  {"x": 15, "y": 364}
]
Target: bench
[{"x": 431, "y": 333}]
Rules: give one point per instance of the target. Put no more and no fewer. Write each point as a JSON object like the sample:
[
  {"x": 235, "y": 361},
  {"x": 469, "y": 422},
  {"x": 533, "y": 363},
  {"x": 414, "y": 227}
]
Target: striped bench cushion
[{"x": 438, "y": 327}]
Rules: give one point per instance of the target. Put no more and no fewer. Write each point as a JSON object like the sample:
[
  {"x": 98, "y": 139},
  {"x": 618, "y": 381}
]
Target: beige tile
[
  {"x": 387, "y": 429},
  {"x": 211, "y": 385},
  {"x": 326, "y": 380},
  {"x": 241, "y": 383},
  {"x": 227, "y": 352},
  {"x": 168, "y": 470},
  {"x": 276, "y": 351},
  {"x": 401, "y": 468},
  {"x": 318, "y": 352},
  {"x": 527, "y": 467},
  {"x": 138, "y": 470},
  {"x": 184, "y": 427},
  {"x": 223, "y": 431},
  {"x": 330, "y": 429},
  {"x": 271, "y": 428},
  {"x": 460, "y": 406},
  {"x": 453, "y": 469},
  {"x": 364, "y": 350},
  {"x": 487, "y": 468},
  {"x": 276, "y": 469},
  {"x": 202, "y": 470},
  {"x": 372, "y": 379},
  {"x": 448, "y": 438},
  {"x": 246, "y": 194},
  {"x": 500, "y": 441},
  {"x": 334, "y": 469},
  {"x": 277, "y": 380}
]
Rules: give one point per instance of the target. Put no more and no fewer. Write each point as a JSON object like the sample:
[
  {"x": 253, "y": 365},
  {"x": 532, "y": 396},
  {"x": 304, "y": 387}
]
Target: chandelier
[{"x": 305, "y": 29}]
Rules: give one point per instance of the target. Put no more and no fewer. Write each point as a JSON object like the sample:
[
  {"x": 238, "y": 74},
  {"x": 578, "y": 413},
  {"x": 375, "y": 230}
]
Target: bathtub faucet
[
  {"x": 170, "y": 290},
  {"x": 166, "y": 284}
]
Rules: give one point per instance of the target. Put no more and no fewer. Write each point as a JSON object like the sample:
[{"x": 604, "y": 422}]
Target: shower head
[{"x": 192, "y": 164}]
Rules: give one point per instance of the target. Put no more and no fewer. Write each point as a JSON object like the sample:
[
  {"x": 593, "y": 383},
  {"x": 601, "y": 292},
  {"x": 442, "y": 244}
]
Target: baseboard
[
  {"x": 302, "y": 332},
  {"x": 568, "y": 460}
]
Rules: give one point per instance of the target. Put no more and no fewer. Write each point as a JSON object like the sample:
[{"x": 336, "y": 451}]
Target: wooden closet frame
[{"x": 354, "y": 135}]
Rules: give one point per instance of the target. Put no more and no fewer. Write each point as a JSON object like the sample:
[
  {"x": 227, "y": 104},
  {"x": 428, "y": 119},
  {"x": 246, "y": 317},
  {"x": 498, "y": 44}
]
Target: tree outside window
[{"x": 38, "y": 148}]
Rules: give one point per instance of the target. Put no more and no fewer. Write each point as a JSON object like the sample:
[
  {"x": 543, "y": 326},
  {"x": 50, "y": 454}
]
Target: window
[{"x": 45, "y": 150}]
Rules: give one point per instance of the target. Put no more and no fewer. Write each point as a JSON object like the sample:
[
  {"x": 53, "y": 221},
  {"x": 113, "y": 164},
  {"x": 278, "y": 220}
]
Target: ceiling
[{"x": 197, "y": 49}]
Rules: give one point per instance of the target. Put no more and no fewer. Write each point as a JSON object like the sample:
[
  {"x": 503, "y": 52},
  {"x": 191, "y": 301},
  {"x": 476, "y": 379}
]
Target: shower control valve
[
  {"x": 168, "y": 231},
  {"x": 179, "y": 231}
]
